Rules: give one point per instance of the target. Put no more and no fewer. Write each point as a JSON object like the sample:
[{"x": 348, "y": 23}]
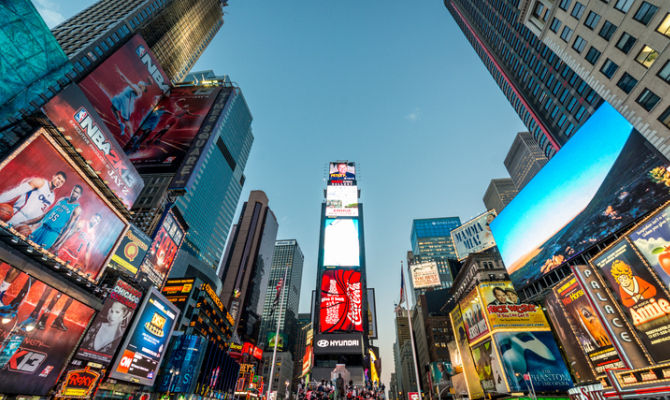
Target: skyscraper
[
  {"x": 551, "y": 100},
  {"x": 431, "y": 241},
  {"x": 499, "y": 193},
  {"x": 524, "y": 159},
  {"x": 177, "y": 31}
]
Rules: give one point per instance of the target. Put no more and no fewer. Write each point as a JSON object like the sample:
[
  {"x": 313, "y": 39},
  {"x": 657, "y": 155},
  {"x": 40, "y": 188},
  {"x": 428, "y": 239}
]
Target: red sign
[
  {"x": 413, "y": 396},
  {"x": 79, "y": 383},
  {"x": 341, "y": 302},
  {"x": 161, "y": 255},
  {"x": 252, "y": 350}
]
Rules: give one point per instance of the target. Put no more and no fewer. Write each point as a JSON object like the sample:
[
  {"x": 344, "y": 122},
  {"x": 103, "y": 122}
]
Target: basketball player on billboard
[
  {"x": 123, "y": 103},
  {"x": 76, "y": 247},
  {"x": 30, "y": 199},
  {"x": 58, "y": 222}
]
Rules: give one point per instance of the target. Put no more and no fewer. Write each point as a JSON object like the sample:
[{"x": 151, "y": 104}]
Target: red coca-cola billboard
[{"x": 341, "y": 308}]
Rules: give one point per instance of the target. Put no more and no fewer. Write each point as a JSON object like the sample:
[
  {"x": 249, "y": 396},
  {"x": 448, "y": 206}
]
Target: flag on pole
[
  {"x": 278, "y": 292},
  {"x": 402, "y": 289},
  {"x": 526, "y": 376}
]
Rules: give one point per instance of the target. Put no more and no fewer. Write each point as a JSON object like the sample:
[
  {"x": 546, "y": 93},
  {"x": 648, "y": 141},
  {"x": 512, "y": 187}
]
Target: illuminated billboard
[
  {"x": 505, "y": 311},
  {"x": 164, "y": 248},
  {"x": 126, "y": 87},
  {"x": 131, "y": 250},
  {"x": 72, "y": 113},
  {"x": 652, "y": 239},
  {"x": 569, "y": 206},
  {"x": 341, "y": 308},
  {"x": 424, "y": 274},
  {"x": 473, "y": 236},
  {"x": 46, "y": 199},
  {"x": 488, "y": 367},
  {"x": 341, "y": 201},
  {"x": 372, "y": 314},
  {"x": 104, "y": 336},
  {"x": 42, "y": 329},
  {"x": 471, "y": 377},
  {"x": 147, "y": 340},
  {"x": 473, "y": 316},
  {"x": 342, "y": 173},
  {"x": 340, "y": 242}
]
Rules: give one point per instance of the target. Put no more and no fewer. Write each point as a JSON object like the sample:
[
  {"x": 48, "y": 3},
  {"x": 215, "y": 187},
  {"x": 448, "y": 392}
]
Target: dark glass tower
[{"x": 552, "y": 101}]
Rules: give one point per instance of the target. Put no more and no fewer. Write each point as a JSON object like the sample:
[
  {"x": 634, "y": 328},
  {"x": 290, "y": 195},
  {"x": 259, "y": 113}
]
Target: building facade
[
  {"x": 524, "y": 159},
  {"x": 499, "y": 193},
  {"x": 620, "y": 48}
]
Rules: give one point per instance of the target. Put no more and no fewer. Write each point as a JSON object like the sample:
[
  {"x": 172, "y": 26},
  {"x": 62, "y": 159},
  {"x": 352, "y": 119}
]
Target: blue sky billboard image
[{"x": 604, "y": 178}]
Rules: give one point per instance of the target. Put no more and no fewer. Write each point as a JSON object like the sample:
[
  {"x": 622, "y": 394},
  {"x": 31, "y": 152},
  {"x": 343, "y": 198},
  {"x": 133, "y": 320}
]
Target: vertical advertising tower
[{"x": 340, "y": 320}]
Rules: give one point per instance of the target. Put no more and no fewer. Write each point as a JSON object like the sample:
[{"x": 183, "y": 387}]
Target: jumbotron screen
[{"x": 341, "y": 308}]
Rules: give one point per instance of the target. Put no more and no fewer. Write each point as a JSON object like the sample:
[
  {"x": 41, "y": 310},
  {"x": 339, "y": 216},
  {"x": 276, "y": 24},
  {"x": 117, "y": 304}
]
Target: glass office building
[{"x": 431, "y": 241}]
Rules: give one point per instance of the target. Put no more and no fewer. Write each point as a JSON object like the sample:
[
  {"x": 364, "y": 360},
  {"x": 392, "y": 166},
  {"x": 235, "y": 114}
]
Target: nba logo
[
  {"x": 80, "y": 115},
  {"x": 140, "y": 51}
]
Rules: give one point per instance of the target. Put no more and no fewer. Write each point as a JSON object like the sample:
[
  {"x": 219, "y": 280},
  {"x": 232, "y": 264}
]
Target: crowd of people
[{"x": 338, "y": 390}]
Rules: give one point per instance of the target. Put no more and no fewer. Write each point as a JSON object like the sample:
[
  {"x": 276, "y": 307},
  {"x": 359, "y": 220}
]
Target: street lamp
[
  {"x": 287, "y": 394},
  {"x": 173, "y": 372}
]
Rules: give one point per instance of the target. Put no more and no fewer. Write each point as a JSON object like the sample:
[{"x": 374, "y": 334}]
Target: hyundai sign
[{"x": 342, "y": 343}]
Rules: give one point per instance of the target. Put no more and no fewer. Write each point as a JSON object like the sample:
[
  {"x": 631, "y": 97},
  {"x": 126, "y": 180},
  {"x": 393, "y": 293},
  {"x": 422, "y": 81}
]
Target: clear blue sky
[{"x": 392, "y": 85}]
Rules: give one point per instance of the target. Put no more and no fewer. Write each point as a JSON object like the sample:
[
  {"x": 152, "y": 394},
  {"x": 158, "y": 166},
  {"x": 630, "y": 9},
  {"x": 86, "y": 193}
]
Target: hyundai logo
[{"x": 322, "y": 343}]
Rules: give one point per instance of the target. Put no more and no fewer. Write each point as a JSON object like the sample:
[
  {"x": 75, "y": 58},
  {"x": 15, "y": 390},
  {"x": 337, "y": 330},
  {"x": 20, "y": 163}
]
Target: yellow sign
[
  {"x": 505, "y": 311},
  {"x": 212, "y": 294}
]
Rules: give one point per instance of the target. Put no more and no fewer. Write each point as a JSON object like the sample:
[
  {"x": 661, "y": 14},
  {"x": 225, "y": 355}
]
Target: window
[
  {"x": 627, "y": 82},
  {"x": 566, "y": 34},
  {"x": 579, "y": 44},
  {"x": 647, "y": 99},
  {"x": 664, "y": 27},
  {"x": 580, "y": 113},
  {"x": 665, "y": 117},
  {"x": 578, "y": 10},
  {"x": 609, "y": 68},
  {"x": 537, "y": 11},
  {"x": 647, "y": 56},
  {"x": 623, "y": 5},
  {"x": 592, "y": 55},
  {"x": 555, "y": 24},
  {"x": 626, "y": 42},
  {"x": 645, "y": 13},
  {"x": 607, "y": 30},
  {"x": 565, "y": 4},
  {"x": 664, "y": 73},
  {"x": 592, "y": 20}
]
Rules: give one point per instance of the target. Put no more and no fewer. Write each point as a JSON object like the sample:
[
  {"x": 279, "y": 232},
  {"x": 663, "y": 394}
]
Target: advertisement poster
[
  {"x": 504, "y": 309},
  {"x": 168, "y": 131},
  {"x": 340, "y": 243},
  {"x": 105, "y": 333},
  {"x": 163, "y": 250},
  {"x": 652, "y": 239},
  {"x": 424, "y": 275},
  {"x": 341, "y": 201},
  {"x": 474, "y": 236},
  {"x": 471, "y": 377},
  {"x": 72, "y": 113},
  {"x": 488, "y": 367},
  {"x": 641, "y": 296},
  {"x": 47, "y": 200},
  {"x": 473, "y": 316},
  {"x": 126, "y": 87},
  {"x": 372, "y": 314},
  {"x": 43, "y": 327},
  {"x": 186, "y": 356},
  {"x": 534, "y": 353},
  {"x": 131, "y": 251},
  {"x": 342, "y": 173},
  {"x": 271, "y": 340},
  {"x": 145, "y": 345},
  {"x": 570, "y": 206},
  {"x": 341, "y": 302}
]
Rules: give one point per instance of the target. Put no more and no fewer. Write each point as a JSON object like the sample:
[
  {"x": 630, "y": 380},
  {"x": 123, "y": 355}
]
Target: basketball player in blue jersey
[
  {"x": 32, "y": 198},
  {"x": 58, "y": 222},
  {"x": 123, "y": 103}
]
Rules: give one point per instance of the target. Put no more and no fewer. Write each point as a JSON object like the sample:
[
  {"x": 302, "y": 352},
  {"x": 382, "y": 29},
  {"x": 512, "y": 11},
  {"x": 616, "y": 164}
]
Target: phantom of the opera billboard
[
  {"x": 341, "y": 308},
  {"x": 45, "y": 198}
]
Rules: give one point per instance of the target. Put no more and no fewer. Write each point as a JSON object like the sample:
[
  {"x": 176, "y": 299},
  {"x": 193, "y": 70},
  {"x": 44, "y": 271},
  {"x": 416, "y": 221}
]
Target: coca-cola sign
[{"x": 341, "y": 301}]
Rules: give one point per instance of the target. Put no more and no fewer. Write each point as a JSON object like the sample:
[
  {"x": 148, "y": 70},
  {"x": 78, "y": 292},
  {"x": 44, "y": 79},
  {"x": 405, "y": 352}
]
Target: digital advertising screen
[
  {"x": 131, "y": 250},
  {"x": 570, "y": 206},
  {"x": 536, "y": 354},
  {"x": 47, "y": 200},
  {"x": 341, "y": 308},
  {"x": 72, "y": 113},
  {"x": 473, "y": 316},
  {"x": 652, "y": 240},
  {"x": 42, "y": 329},
  {"x": 471, "y": 377},
  {"x": 488, "y": 367},
  {"x": 424, "y": 274},
  {"x": 126, "y": 87},
  {"x": 341, "y": 246},
  {"x": 641, "y": 295},
  {"x": 342, "y": 173},
  {"x": 504, "y": 309},
  {"x": 163, "y": 250},
  {"x": 474, "y": 236},
  {"x": 372, "y": 314},
  {"x": 186, "y": 355},
  {"x": 145, "y": 345},
  {"x": 104, "y": 335},
  {"x": 341, "y": 201}
]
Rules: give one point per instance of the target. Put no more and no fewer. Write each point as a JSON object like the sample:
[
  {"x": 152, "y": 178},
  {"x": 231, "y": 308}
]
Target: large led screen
[
  {"x": 145, "y": 345},
  {"x": 163, "y": 250},
  {"x": 40, "y": 328},
  {"x": 604, "y": 178},
  {"x": 48, "y": 201},
  {"x": 126, "y": 87},
  {"x": 340, "y": 243},
  {"x": 474, "y": 236},
  {"x": 341, "y": 307},
  {"x": 341, "y": 201},
  {"x": 342, "y": 173}
]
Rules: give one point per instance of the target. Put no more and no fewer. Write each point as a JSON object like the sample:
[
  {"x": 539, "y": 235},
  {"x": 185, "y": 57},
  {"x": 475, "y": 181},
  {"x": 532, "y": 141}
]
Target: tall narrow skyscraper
[
  {"x": 524, "y": 159},
  {"x": 499, "y": 193}
]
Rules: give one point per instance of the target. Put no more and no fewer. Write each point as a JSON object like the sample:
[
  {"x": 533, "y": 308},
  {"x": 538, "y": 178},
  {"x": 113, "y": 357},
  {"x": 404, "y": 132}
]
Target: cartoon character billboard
[
  {"x": 652, "y": 239},
  {"x": 47, "y": 200},
  {"x": 341, "y": 307}
]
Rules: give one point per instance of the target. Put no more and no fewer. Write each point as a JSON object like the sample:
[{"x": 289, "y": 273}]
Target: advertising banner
[
  {"x": 340, "y": 243},
  {"x": 505, "y": 311},
  {"x": 42, "y": 329},
  {"x": 186, "y": 357},
  {"x": 105, "y": 333},
  {"x": 341, "y": 307},
  {"x": 372, "y": 314},
  {"x": 488, "y": 367},
  {"x": 642, "y": 296},
  {"x": 126, "y": 87},
  {"x": 440, "y": 373},
  {"x": 145, "y": 345},
  {"x": 570, "y": 206},
  {"x": 72, "y": 113},
  {"x": 652, "y": 239},
  {"x": 536, "y": 354},
  {"x": 307, "y": 360},
  {"x": 271, "y": 340},
  {"x": 351, "y": 343},
  {"x": 178, "y": 291},
  {"x": 473, "y": 236},
  {"x": 131, "y": 251},
  {"x": 474, "y": 386},
  {"x": 425, "y": 275},
  {"x": 47, "y": 200},
  {"x": 79, "y": 383},
  {"x": 166, "y": 243},
  {"x": 341, "y": 201},
  {"x": 342, "y": 173},
  {"x": 473, "y": 316}
]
